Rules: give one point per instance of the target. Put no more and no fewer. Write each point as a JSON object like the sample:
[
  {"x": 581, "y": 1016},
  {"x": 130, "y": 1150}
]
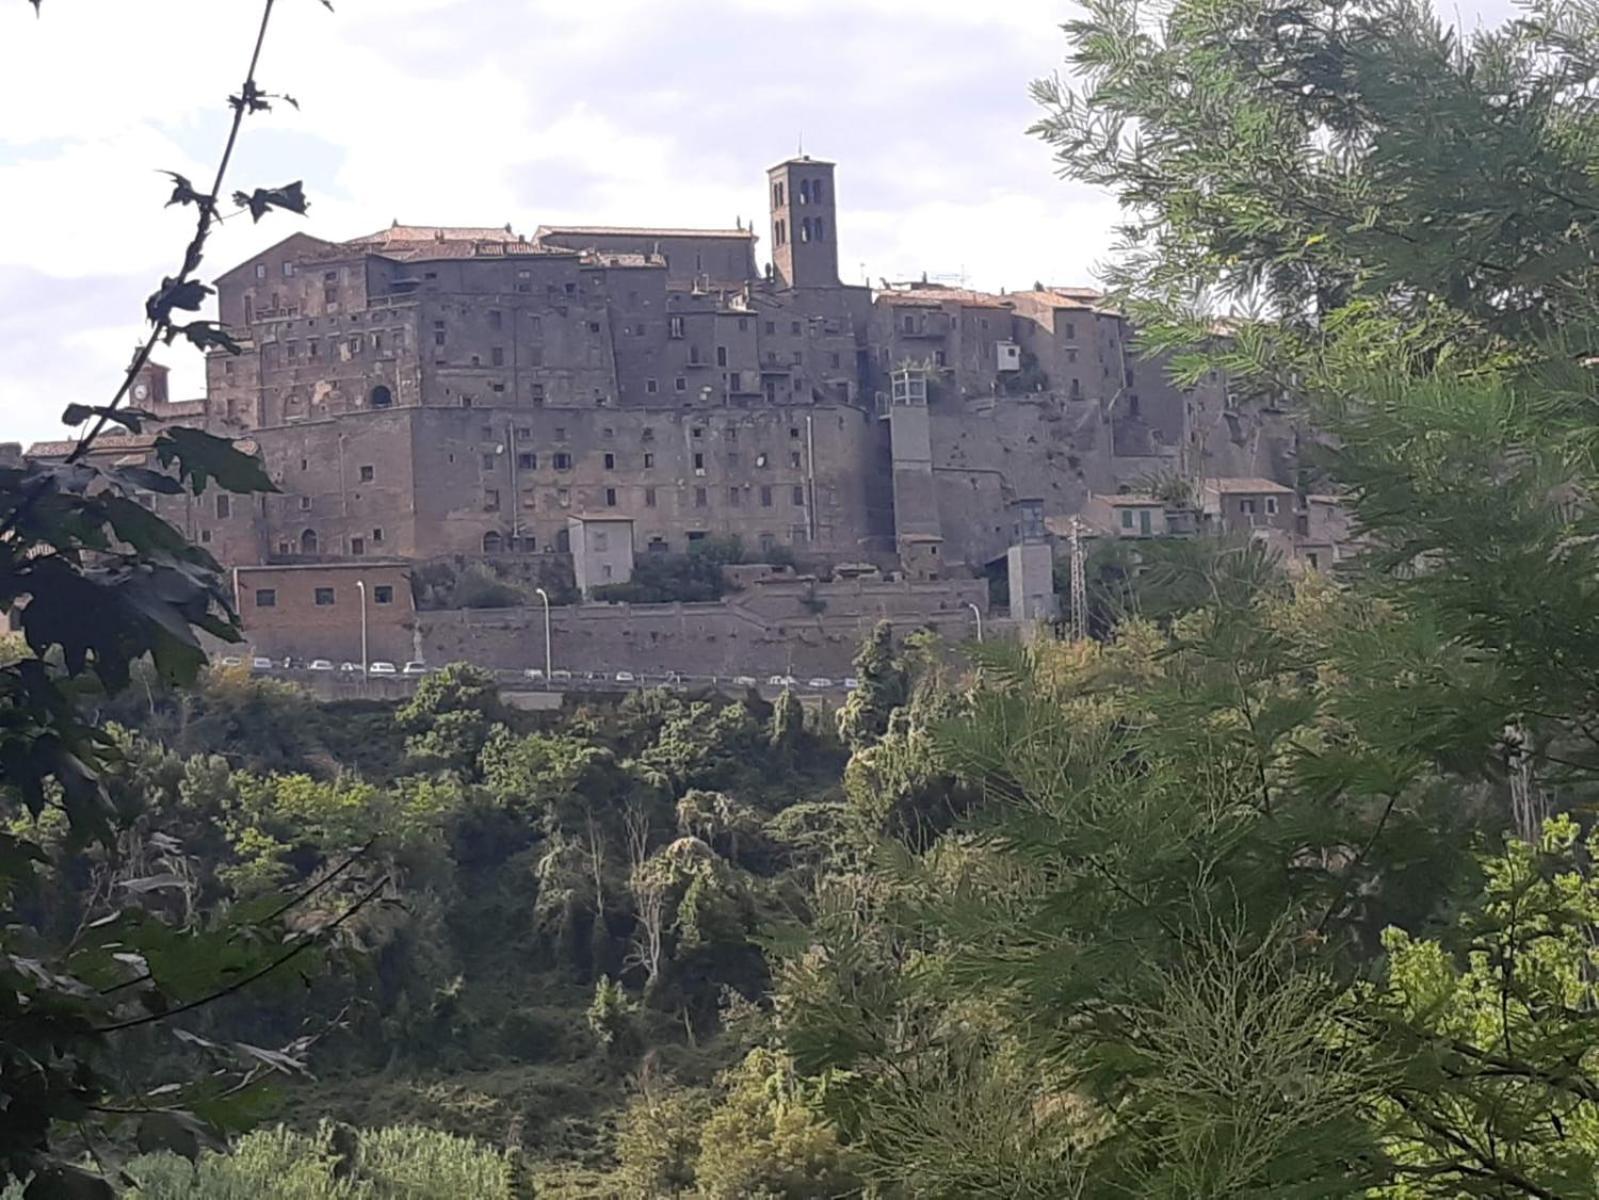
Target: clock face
[{"x": 140, "y": 391}]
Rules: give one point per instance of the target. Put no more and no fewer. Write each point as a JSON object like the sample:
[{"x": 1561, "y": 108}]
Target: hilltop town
[{"x": 541, "y": 413}]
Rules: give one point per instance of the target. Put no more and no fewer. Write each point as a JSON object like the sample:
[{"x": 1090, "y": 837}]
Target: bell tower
[{"x": 804, "y": 223}]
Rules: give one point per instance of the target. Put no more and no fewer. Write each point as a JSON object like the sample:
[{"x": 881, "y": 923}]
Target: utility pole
[{"x": 1079, "y": 596}]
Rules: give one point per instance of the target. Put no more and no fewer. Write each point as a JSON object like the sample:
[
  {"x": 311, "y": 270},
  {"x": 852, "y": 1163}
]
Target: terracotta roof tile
[
  {"x": 544, "y": 231},
  {"x": 1246, "y": 485}
]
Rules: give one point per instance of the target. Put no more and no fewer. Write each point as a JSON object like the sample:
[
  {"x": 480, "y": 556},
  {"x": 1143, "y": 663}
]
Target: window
[
  {"x": 674, "y": 327},
  {"x": 493, "y": 543},
  {"x": 701, "y": 499},
  {"x": 491, "y": 500},
  {"x": 649, "y": 497},
  {"x": 777, "y": 195},
  {"x": 260, "y": 270},
  {"x": 794, "y": 327},
  {"x": 699, "y": 463},
  {"x": 908, "y": 323},
  {"x": 766, "y": 495},
  {"x": 721, "y": 356},
  {"x": 1271, "y": 506},
  {"x": 488, "y": 462},
  {"x": 205, "y": 536},
  {"x": 524, "y": 431},
  {"x": 680, "y": 384},
  {"x": 1127, "y": 518},
  {"x": 305, "y": 503},
  {"x": 939, "y": 359},
  {"x": 594, "y": 326},
  {"x": 266, "y": 597},
  {"x": 1247, "y": 507},
  {"x": 805, "y": 191},
  {"x": 377, "y": 535},
  {"x": 794, "y": 458},
  {"x": 538, "y": 393},
  {"x": 648, "y": 435},
  {"x": 610, "y": 462},
  {"x": 324, "y": 597},
  {"x": 357, "y": 546},
  {"x": 793, "y": 431},
  {"x": 743, "y": 324},
  {"x": 563, "y": 497},
  {"x": 733, "y": 496},
  {"x": 693, "y": 354},
  {"x": 649, "y": 459},
  {"x": 526, "y": 460},
  {"x": 799, "y": 496},
  {"x": 224, "y": 505},
  {"x": 571, "y": 289},
  {"x": 834, "y": 360},
  {"x": 816, "y": 191},
  {"x": 610, "y": 497},
  {"x": 563, "y": 461},
  {"x": 524, "y": 281},
  {"x": 367, "y": 475},
  {"x": 1071, "y": 331},
  {"x": 771, "y": 327},
  {"x": 697, "y": 432},
  {"x": 383, "y": 594},
  {"x": 497, "y": 356},
  {"x": 494, "y": 318},
  {"x": 651, "y": 386},
  {"x": 820, "y": 233},
  {"x": 779, "y": 232},
  {"x": 1315, "y": 563},
  {"x": 805, "y": 230},
  {"x": 560, "y": 433},
  {"x": 600, "y": 539}
]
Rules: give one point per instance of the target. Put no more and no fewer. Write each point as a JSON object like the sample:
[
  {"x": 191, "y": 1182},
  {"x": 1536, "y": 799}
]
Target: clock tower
[{"x": 149, "y": 389}]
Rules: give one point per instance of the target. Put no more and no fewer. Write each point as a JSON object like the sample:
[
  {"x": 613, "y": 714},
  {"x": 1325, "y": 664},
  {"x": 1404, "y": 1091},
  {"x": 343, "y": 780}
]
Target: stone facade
[{"x": 423, "y": 392}]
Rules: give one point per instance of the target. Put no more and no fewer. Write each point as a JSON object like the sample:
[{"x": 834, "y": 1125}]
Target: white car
[
  {"x": 851, "y": 683},
  {"x": 626, "y": 677},
  {"x": 746, "y": 681},
  {"x": 819, "y": 681},
  {"x": 346, "y": 668},
  {"x": 534, "y": 673},
  {"x": 782, "y": 681},
  {"x": 321, "y": 664},
  {"x": 414, "y": 668},
  {"x": 560, "y": 676},
  {"x": 382, "y": 668},
  {"x": 262, "y": 664},
  {"x": 231, "y": 661}
]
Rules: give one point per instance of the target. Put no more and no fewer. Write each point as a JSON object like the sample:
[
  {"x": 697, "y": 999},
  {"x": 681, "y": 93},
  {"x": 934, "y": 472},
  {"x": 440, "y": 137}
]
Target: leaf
[
  {"x": 207, "y": 335},
  {"x": 144, "y": 479},
  {"x": 175, "y": 1130},
  {"x": 183, "y": 192},
  {"x": 290, "y": 197},
  {"x": 62, "y": 1182},
  {"x": 202, "y": 457},
  {"x": 131, "y": 419},
  {"x": 187, "y": 294}
]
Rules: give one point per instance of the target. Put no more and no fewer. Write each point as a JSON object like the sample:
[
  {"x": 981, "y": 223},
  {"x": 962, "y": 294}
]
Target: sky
[{"x": 483, "y": 112}]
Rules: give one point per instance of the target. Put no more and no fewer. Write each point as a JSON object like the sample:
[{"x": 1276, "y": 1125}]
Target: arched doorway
[
  {"x": 381, "y": 397},
  {"x": 308, "y": 542}
]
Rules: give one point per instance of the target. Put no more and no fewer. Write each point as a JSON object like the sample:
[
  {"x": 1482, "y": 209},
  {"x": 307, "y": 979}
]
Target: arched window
[
  {"x": 805, "y": 191},
  {"x": 780, "y": 232},
  {"x": 817, "y": 229},
  {"x": 381, "y": 397},
  {"x": 816, "y": 190},
  {"x": 805, "y": 230},
  {"x": 777, "y": 195},
  {"x": 308, "y": 543},
  {"x": 492, "y": 542}
]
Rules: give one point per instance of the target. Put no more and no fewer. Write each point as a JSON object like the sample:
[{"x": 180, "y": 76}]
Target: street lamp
[
  {"x": 548, "y": 660},
  {"x": 978, "y": 613},
  {"x": 360, "y": 585}
]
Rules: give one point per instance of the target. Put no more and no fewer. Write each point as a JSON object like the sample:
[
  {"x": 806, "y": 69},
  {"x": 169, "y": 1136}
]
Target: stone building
[{"x": 429, "y": 391}]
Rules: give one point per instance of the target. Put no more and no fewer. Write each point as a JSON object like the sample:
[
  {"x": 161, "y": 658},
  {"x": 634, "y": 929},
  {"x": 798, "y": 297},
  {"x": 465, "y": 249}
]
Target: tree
[
  {"x": 98, "y": 582},
  {"x": 882, "y": 686},
  {"x": 451, "y": 717}
]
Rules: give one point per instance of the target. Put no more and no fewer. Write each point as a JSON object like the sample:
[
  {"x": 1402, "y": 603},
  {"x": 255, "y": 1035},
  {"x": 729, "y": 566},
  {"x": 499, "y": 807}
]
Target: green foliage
[
  {"x": 883, "y": 687},
  {"x": 668, "y": 578},
  {"x": 659, "y": 1141}
]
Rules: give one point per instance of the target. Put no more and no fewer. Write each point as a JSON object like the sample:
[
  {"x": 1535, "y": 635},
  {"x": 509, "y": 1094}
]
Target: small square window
[
  {"x": 563, "y": 461},
  {"x": 680, "y": 384},
  {"x": 527, "y": 461},
  {"x": 488, "y": 462},
  {"x": 305, "y": 503},
  {"x": 357, "y": 546},
  {"x": 651, "y": 386},
  {"x": 377, "y": 535},
  {"x": 367, "y": 474},
  {"x": 610, "y": 462},
  {"x": 383, "y": 594},
  {"x": 560, "y": 433},
  {"x": 205, "y": 537},
  {"x": 324, "y": 596},
  {"x": 266, "y": 597}
]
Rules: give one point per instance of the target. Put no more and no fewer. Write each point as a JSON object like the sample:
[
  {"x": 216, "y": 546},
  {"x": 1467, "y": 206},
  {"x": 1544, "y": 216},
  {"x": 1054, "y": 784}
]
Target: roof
[
  {"x": 1064, "y": 297},
  {"x": 607, "y": 258},
  {"x": 544, "y": 231},
  {"x": 801, "y": 158},
  {"x": 1142, "y": 499},
  {"x": 106, "y": 443},
  {"x": 933, "y": 294},
  {"x": 1246, "y": 485},
  {"x": 437, "y": 233},
  {"x": 363, "y": 564}
]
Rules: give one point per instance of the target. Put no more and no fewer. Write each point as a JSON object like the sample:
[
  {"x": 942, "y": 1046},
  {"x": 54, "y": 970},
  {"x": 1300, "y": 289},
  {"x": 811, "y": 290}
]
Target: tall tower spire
[{"x": 804, "y": 223}]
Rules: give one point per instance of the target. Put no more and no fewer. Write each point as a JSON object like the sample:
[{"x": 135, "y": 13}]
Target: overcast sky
[{"x": 480, "y": 112}]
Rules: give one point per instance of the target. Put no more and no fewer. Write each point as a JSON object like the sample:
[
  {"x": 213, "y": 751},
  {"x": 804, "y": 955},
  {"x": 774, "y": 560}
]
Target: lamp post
[
  {"x": 360, "y": 585},
  {"x": 549, "y": 665},
  {"x": 978, "y": 613}
]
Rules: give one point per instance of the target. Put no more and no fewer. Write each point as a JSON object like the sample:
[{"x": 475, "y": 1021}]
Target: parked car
[
  {"x": 560, "y": 676},
  {"x": 261, "y": 664},
  {"x": 744, "y": 681},
  {"x": 414, "y": 668},
  {"x": 321, "y": 664},
  {"x": 782, "y": 681},
  {"x": 534, "y": 673},
  {"x": 290, "y": 663},
  {"x": 820, "y": 681},
  {"x": 382, "y": 668},
  {"x": 348, "y": 667},
  {"x": 231, "y": 661},
  {"x": 851, "y": 683},
  {"x": 626, "y": 677}
]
